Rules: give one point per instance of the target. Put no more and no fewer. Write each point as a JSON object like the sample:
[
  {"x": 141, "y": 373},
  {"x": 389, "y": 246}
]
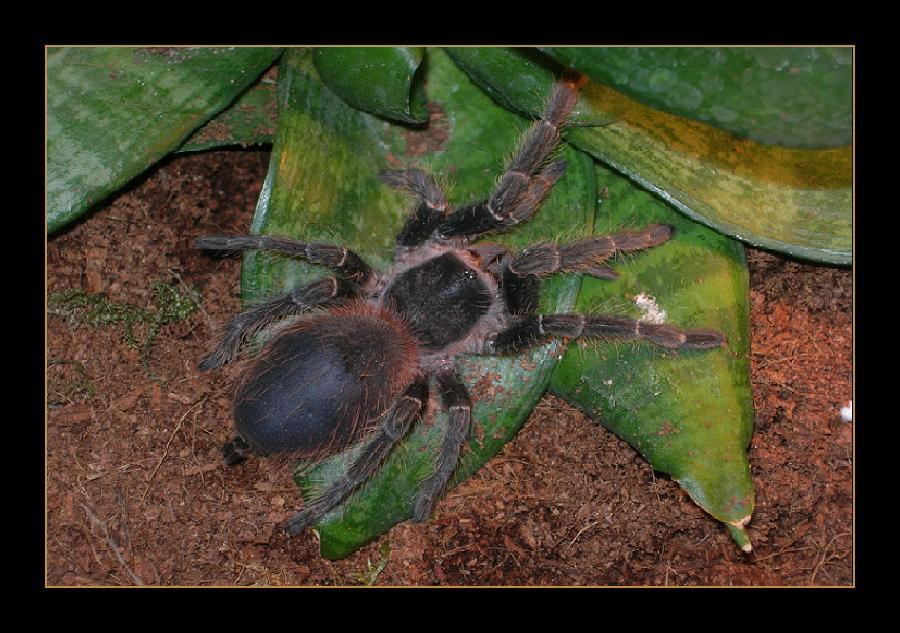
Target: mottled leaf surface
[
  {"x": 795, "y": 201},
  {"x": 323, "y": 184},
  {"x": 112, "y": 112},
  {"x": 250, "y": 120},
  {"x": 797, "y": 96},
  {"x": 689, "y": 412}
]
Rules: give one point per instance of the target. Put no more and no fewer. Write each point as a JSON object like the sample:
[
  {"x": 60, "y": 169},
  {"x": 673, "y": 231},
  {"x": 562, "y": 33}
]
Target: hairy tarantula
[{"x": 360, "y": 362}]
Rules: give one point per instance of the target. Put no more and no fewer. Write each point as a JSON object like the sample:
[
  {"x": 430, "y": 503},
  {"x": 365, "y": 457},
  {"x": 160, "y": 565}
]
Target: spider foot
[
  {"x": 301, "y": 521},
  {"x": 427, "y": 499},
  {"x": 235, "y": 451},
  {"x": 213, "y": 360},
  {"x": 424, "y": 507}
]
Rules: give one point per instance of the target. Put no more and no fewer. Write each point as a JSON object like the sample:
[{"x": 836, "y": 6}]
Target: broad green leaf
[
  {"x": 381, "y": 80},
  {"x": 323, "y": 184},
  {"x": 795, "y": 201},
  {"x": 113, "y": 112},
  {"x": 250, "y": 120},
  {"x": 690, "y": 413},
  {"x": 798, "y": 96}
]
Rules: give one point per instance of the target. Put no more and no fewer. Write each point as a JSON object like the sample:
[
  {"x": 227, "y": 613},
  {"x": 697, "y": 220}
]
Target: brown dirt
[{"x": 137, "y": 492}]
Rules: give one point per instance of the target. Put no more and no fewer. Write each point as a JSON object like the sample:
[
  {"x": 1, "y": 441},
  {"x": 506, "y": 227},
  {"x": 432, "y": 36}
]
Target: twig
[
  {"x": 669, "y": 568},
  {"x": 455, "y": 550},
  {"x": 507, "y": 554},
  {"x": 783, "y": 551},
  {"x": 823, "y": 560},
  {"x": 112, "y": 217},
  {"x": 580, "y": 532},
  {"x": 168, "y": 443},
  {"x": 503, "y": 460},
  {"x": 104, "y": 473},
  {"x": 124, "y": 506},
  {"x": 655, "y": 487},
  {"x": 778, "y": 360},
  {"x": 112, "y": 544}
]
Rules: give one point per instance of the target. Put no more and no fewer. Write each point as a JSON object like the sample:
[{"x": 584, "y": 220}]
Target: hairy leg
[
  {"x": 529, "y": 176},
  {"x": 588, "y": 255},
  {"x": 521, "y": 293},
  {"x": 323, "y": 292},
  {"x": 478, "y": 218},
  {"x": 455, "y": 398},
  {"x": 394, "y": 426},
  {"x": 341, "y": 260},
  {"x": 538, "y": 328},
  {"x": 431, "y": 204}
]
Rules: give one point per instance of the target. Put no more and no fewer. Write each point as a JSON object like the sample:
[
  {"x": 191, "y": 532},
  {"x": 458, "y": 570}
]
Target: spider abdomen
[
  {"x": 320, "y": 385},
  {"x": 442, "y": 299}
]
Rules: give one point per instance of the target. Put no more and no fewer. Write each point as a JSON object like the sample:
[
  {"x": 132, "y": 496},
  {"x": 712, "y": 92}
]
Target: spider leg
[
  {"x": 431, "y": 204},
  {"x": 455, "y": 398},
  {"x": 535, "y": 329},
  {"x": 521, "y": 273},
  {"x": 394, "y": 426},
  {"x": 586, "y": 256},
  {"x": 325, "y": 291},
  {"x": 521, "y": 292},
  {"x": 528, "y": 178},
  {"x": 341, "y": 260}
]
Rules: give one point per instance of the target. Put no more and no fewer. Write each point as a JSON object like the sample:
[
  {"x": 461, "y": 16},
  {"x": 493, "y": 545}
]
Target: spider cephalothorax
[{"x": 358, "y": 361}]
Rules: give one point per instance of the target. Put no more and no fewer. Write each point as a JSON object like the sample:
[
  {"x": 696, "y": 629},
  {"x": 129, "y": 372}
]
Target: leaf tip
[{"x": 740, "y": 535}]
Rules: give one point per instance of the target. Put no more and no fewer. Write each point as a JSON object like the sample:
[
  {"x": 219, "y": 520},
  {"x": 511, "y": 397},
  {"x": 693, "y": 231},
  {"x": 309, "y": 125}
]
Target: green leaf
[
  {"x": 794, "y": 96},
  {"x": 795, "y": 201},
  {"x": 250, "y": 120},
  {"x": 381, "y": 80},
  {"x": 690, "y": 413},
  {"x": 323, "y": 184},
  {"x": 113, "y": 112}
]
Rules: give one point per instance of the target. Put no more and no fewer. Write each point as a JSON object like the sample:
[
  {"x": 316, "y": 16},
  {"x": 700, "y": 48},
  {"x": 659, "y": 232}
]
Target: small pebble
[{"x": 847, "y": 412}]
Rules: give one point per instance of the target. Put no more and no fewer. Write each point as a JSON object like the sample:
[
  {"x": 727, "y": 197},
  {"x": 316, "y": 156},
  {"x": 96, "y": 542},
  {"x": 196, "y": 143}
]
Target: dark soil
[{"x": 137, "y": 492}]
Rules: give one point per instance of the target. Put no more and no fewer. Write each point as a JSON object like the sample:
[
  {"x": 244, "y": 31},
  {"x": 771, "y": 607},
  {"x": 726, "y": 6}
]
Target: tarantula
[{"x": 359, "y": 360}]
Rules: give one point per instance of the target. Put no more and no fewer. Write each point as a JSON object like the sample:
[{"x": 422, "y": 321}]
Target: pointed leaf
[
  {"x": 323, "y": 184},
  {"x": 113, "y": 112},
  {"x": 795, "y": 201},
  {"x": 381, "y": 80},
  {"x": 798, "y": 96},
  {"x": 690, "y": 413}
]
